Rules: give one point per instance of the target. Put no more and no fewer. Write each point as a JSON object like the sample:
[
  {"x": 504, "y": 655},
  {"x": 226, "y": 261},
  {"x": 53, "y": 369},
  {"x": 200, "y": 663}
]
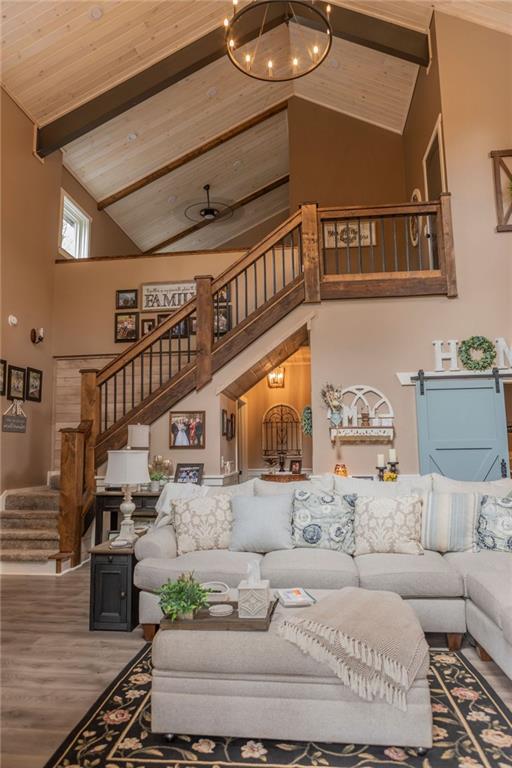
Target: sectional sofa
[{"x": 451, "y": 593}]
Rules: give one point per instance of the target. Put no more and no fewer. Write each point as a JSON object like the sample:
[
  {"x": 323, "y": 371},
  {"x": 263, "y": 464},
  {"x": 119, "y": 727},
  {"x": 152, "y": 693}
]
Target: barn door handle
[
  {"x": 504, "y": 468},
  {"x": 421, "y": 379},
  {"x": 496, "y": 374}
]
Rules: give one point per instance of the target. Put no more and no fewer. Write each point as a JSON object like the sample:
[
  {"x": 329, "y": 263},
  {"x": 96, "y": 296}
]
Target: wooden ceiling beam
[
  {"x": 238, "y": 204},
  {"x": 173, "y": 165}
]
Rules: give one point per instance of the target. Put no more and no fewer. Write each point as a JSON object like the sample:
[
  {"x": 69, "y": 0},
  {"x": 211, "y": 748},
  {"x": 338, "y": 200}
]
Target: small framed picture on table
[
  {"x": 189, "y": 473},
  {"x": 296, "y": 466}
]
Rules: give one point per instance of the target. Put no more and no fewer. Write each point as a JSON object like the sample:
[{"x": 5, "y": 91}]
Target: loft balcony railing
[{"x": 317, "y": 254}]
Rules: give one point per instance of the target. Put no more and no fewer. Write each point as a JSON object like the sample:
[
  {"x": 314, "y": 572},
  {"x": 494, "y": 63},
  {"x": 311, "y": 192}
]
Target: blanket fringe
[{"x": 393, "y": 689}]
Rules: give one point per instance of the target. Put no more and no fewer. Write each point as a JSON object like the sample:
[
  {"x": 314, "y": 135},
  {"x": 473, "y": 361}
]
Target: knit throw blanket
[{"x": 371, "y": 640}]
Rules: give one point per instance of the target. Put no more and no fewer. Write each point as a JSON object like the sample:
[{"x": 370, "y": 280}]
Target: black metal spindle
[
  {"x": 283, "y": 262},
  {"x": 337, "y": 267},
  {"x": 189, "y": 331},
  {"x": 236, "y": 298},
  {"x": 406, "y": 237},
  {"x": 106, "y": 404},
  {"x": 347, "y": 243},
  {"x": 274, "y": 270},
  {"x": 265, "y": 277},
  {"x": 359, "y": 248},
  {"x": 178, "y": 329},
  {"x": 420, "y": 248},
  {"x": 395, "y": 251},
  {"x": 382, "y": 245},
  {"x": 115, "y": 398},
  {"x": 142, "y": 376},
  {"x": 255, "y": 285},
  {"x": 370, "y": 232},
  {"x": 150, "y": 369},
  {"x": 161, "y": 361},
  {"x": 246, "y": 296},
  {"x": 301, "y": 261},
  {"x": 133, "y": 384},
  {"x": 292, "y": 241},
  {"x": 124, "y": 390}
]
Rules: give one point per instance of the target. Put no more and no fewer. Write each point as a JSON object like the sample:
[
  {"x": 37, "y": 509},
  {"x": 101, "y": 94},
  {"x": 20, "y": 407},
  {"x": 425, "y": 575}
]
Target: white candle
[
  {"x": 380, "y": 460},
  {"x": 392, "y": 456}
]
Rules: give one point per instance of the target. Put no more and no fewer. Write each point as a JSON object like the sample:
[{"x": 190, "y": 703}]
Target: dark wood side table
[
  {"x": 114, "y": 598},
  {"x": 109, "y": 501},
  {"x": 283, "y": 477}
]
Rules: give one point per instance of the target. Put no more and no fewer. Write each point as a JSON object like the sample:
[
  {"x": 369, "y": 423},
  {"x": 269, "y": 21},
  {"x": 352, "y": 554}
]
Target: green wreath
[
  {"x": 307, "y": 420},
  {"x": 477, "y": 344}
]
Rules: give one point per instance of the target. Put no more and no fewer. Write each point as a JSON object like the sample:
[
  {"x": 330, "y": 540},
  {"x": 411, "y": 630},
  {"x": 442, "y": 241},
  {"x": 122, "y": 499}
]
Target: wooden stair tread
[{"x": 25, "y": 555}]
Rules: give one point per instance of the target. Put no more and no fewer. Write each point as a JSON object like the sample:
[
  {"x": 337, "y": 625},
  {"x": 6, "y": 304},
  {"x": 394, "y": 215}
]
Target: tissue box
[{"x": 253, "y": 601}]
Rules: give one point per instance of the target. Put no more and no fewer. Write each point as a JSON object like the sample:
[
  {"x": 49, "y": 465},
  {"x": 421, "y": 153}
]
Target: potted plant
[
  {"x": 180, "y": 599},
  {"x": 156, "y": 477}
]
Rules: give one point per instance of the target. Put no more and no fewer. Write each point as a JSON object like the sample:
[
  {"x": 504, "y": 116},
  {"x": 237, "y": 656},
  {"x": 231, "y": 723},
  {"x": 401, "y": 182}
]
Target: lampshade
[
  {"x": 138, "y": 435},
  {"x": 127, "y": 468}
]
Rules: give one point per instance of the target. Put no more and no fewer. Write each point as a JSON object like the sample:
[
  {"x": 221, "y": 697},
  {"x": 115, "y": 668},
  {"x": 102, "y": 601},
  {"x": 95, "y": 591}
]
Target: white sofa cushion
[
  {"x": 388, "y": 525},
  {"x": 478, "y": 562},
  {"x": 410, "y": 575},
  {"x": 404, "y": 486},
  {"x": 269, "y": 488},
  {"x": 208, "y": 565},
  {"x": 261, "y": 524},
  {"x": 449, "y": 521},
  {"x": 491, "y": 593},
  {"x": 492, "y": 488},
  {"x": 203, "y": 523},
  {"x": 237, "y": 489},
  {"x": 310, "y": 569}
]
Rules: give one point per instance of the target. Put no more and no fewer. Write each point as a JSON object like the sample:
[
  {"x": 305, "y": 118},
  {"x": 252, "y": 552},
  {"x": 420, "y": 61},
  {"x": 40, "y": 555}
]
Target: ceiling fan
[{"x": 212, "y": 210}]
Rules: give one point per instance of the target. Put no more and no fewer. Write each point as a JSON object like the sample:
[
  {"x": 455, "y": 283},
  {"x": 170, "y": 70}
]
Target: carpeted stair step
[
  {"x": 28, "y": 518},
  {"x": 54, "y": 482},
  {"x": 29, "y": 538},
  {"x": 33, "y": 498},
  {"x": 26, "y": 555}
]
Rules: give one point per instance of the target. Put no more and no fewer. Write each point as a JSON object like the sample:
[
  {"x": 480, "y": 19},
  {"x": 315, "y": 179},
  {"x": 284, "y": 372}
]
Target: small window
[{"x": 75, "y": 230}]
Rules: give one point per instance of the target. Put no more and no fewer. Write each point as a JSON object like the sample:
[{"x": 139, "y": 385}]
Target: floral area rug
[{"x": 472, "y": 729}]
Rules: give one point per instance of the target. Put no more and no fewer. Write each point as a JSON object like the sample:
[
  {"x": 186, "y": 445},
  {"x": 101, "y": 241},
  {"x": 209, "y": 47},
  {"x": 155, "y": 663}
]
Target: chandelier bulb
[
  {"x": 226, "y": 23},
  {"x": 269, "y": 64},
  {"x": 235, "y": 3},
  {"x": 231, "y": 43},
  {"x": 328, "y": 8},
  {"x": 295, "y": 62},
  {"x": 247, "y": 58},
  {"x": 315, "y": 50}
]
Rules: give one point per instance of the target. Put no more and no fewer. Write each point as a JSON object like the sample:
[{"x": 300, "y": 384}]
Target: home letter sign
[{"x": 450, "y": 355}]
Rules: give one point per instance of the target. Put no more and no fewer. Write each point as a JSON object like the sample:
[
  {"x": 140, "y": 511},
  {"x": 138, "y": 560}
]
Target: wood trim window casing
[
  {"x": 84, "y": 221},
  {"x": 436, "y": 133}
]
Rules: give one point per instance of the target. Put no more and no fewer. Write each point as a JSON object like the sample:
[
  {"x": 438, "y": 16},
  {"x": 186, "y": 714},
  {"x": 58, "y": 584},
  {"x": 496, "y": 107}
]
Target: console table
[
  {"x": 109, "y": 501},
  {"x": 284, "y": 477}
]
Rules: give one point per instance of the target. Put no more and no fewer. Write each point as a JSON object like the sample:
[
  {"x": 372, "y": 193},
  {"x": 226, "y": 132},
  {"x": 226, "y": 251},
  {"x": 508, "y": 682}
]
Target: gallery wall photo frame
[
  {"x": 34, "y": 385},
  {"x": 224, "y": 422},
  {"x": 16, "y": 378},
  {"x": 187, "y": 429},
  {"x": 126, "y": 327},
  {"x": 147, "y": 324},
  {"x": 3, "y": 377},
  {"x": 127, "y": 298}
]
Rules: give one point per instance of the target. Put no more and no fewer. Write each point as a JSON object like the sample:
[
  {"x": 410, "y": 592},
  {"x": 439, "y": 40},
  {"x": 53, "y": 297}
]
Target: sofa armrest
[{"x": 159, "y": 542}]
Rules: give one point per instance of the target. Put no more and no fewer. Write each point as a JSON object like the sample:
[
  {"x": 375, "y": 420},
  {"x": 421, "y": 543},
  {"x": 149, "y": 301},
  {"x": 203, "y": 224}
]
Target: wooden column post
[
  {"x": 446, "y": 230},
  {"x": 90, "y": 411},
  {"x": 311, "y": 253},
  {"x": 71, "y": 492},
  {"x": 204, "y": 337}
]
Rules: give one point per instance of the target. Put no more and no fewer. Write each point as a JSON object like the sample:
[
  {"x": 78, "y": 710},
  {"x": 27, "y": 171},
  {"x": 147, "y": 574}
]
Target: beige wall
[
  {"x": 253, "y": 235},
  {"x": 107, "y": 237},
  {"x": 85, "y": 294},
  {"x": 338, "y": 160},
  {"x": 30, "y": 222}
]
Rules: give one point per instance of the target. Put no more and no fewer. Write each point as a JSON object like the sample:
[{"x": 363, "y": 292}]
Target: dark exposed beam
[
  {"x": 140, "y": 87},
  {"x": 383, "y": 36},
  {"x": 192, "y": 155},
  {"x": 239, "y": 204}
]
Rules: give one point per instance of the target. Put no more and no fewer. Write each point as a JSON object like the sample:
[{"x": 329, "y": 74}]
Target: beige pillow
[
  {"x": 388, "y": 525},
  {"x": 203, "y": 523}
]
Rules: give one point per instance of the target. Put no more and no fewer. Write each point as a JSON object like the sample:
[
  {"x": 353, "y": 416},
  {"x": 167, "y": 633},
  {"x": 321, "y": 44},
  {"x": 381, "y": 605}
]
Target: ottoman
[{"x": 258, "y": 685}]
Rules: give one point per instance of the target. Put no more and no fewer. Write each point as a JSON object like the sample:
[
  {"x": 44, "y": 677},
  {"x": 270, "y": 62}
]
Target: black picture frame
[
  {"x": 127, "y": 298},
  {"x": 29, "y": 393},
  {"x": 232, "y": 420},
  {"x": 126, "y": 336},
  {"x": 180, "y": 431},
  {"x": 224, "y": 422},
  {"x": 222, "y": 319},
  {"x": 296, "y": 466},
  {"x": 189, "y": 473},
  {"x": 147, "y": 324},
  {"x": 17, "y": 381},
  {"x": 3, "y": 377}
]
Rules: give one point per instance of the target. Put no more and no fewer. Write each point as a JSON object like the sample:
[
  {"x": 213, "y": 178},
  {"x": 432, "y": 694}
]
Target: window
[{"x": 75, "y": 231}]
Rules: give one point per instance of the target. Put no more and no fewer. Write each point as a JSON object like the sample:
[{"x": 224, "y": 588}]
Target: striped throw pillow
[{"x": 449, "y": 521}]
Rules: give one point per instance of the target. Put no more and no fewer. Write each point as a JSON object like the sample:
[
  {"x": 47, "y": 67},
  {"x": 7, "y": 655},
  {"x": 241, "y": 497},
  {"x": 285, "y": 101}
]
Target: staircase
[
  {"x": 317, "y": 254},
  {"x": 29, "y": 530}
]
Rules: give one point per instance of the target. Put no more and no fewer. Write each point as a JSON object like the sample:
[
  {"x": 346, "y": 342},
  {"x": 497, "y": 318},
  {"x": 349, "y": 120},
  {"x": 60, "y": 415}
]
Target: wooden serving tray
[{"x": 204, "y": 622}]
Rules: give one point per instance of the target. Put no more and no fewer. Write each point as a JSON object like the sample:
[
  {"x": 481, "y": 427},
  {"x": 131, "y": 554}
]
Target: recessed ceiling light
[
  {"x": 211, "y": 92},
  {"x": 171, "y": 199},
  {"x": 96, "y": 13},
  {"x": 333, "y": 63},
  {"x": 237, "y": 165},
  {"x": 132, "y": 136}
]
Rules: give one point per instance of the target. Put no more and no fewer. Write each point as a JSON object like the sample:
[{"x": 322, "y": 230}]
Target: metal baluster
[
  {"x": 236, "y": 297},
  {"x": 292, "y": 241},
  {"x": 160, "y": 354},
  {"x": 178, "y": 329},
  {"x": 382, "y": 245},
  {"x": 133, "y": 384},
  {"x": 420, "y": 247},
  {"x": 274, "y": 270},
  {"x": 283, "y": 263},
  {"x": 106, "y": 405},
  {"x": 124, "y": 390},
  {"x": 406, "y": 235},
  {"x": 336, "y": 250},
  {"x": 301, "y": 262},
  {"x": 189, "y": 330},
  {"x": 265, "y": 277},
  {"x": 246, "y": 297},
  {"x": 115, "y": 398},
  {"x": 372, "y": 255},
  {"x": 217, "y": 324},
  {"x": 255, "y": 285},
  {"x": 347, "y": 238},
  {"x": 142, "y": 376},
  {"x": 169, "y": 354},
  {"x": 359, "y": 251},
  {"x": 395, "y": 255},
  {"x": 150, "y": 369}
]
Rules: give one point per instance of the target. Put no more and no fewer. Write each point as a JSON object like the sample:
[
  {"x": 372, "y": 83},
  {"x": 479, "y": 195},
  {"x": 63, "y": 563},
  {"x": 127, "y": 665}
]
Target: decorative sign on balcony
[
  {"x": 358, "y": 414},
  {"x": 166, "y": 296},
  {"x": 351, "y": 234}
]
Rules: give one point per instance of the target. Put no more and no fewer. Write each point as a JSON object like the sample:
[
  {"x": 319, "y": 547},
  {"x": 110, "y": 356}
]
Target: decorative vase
[
  {"x": 155, "y": 486},
  {"x": 188, "y": 615}
]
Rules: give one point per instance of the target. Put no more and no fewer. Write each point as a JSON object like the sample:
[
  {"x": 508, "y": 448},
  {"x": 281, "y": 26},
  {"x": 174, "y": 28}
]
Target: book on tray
[{"x": 295, "y": 598}]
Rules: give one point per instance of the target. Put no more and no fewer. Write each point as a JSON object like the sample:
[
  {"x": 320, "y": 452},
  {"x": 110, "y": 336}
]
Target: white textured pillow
[
  {"x": 388, "y": 525},
  {"x": 269, "y": 488},
  {"x": 261, "y": 524},
  {"x": 170, "y": 493},
  {"x": 491, "y": 488},
  {"x": 203, "y": 523}
]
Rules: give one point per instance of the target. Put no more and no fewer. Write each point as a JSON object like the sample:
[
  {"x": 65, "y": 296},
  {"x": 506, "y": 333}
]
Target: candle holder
[
  {"x": 381, "y": 471},
  {"x": 393, "y": 466}
]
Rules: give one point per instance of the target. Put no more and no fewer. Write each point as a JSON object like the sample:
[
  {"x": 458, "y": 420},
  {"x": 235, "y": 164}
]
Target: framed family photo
[
  {"x": 3, "y": 377},
  {"x": 147, "y": 324},
  {"x": 34, "y": 385},
  {"x": 16, "y": 378},
  {"x": 187, "y": 429},
  {"x": 296, "y": 466},
  {"x": 127, "y": 298},
  {"x": 126, "y": 327},
  {"x": 224, "y": 422},
  {"x": 189, "y": 473}
]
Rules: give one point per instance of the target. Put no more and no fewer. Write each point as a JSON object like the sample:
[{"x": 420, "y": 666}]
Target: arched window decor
[{"x": 281, "y": 432}]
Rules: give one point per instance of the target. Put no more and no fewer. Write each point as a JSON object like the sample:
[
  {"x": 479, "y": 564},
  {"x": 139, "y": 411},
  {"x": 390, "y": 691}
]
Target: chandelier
[{"x": 276, "y": 40}]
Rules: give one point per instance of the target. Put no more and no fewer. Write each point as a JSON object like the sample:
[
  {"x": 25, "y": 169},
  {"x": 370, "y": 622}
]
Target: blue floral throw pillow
[
  {"x": 494, "y": 527},
  {"x": 324, "y": 520}
]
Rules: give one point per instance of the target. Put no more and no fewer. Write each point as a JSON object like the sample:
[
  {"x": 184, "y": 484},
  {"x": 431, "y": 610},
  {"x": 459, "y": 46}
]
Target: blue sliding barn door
[{"x": 462, "y": 429}]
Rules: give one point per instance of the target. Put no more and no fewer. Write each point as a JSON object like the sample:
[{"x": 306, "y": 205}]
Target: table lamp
[{"x": 126, "y": 468}]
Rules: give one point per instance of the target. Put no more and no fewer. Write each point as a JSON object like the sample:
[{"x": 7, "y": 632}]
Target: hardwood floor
[{"x": 53, "y": 668}]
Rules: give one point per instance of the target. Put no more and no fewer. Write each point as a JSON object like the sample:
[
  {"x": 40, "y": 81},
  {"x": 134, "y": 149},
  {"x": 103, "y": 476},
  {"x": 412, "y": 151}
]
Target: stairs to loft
[
  {"x": 29, "y": 535},
  {"x": 318, "y": 254}
]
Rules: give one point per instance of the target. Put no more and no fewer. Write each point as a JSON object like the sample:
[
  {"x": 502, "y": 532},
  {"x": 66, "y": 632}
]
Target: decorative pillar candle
[
  {"x": 392, "y": 456},
  {"x": 380, "y": 460}
]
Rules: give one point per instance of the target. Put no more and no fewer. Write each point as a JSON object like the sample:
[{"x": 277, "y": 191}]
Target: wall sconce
[
  {"x": 275, "y": 379},
  {"x": 36, "y": 335}
]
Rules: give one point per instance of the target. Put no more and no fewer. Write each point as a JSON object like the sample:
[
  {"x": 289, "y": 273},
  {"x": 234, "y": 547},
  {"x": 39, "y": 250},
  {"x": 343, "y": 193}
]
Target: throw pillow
[
  {"x": 388, "y": 525},
  {"x": 499, "y": 488},
  {"x": 325, "y": 521},
  {"x": 494, "y": 528},
  {"x": 269, "y": 488},
  {"x": 202, "y": 523},
  {"x": 170, "y": 493},
  {"x": 261, "y": 524},
  {"x": 449, "y": 521}
]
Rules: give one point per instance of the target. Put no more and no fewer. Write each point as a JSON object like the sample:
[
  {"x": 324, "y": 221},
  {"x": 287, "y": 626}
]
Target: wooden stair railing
[{"x": 297, "y": 262}]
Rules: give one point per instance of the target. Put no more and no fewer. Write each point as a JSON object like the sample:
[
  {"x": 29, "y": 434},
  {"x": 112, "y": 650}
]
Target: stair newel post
[
  {"x": 90, "y": 412},
  {"x": 204, "y": 337},
  {"x": 71, "y": 492},
  {"x": 311, "y": 253}
]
